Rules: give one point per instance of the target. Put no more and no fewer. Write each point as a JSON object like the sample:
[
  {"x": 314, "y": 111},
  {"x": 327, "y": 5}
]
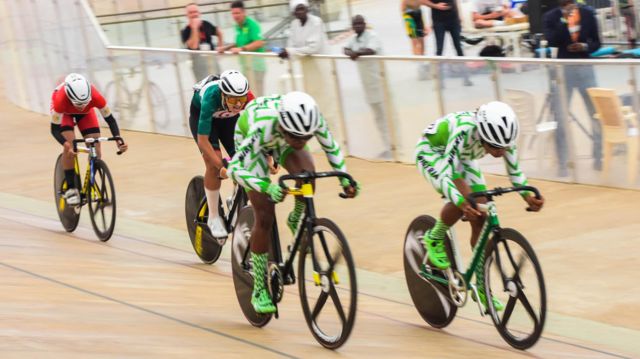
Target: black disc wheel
[
  {"x": 102, "y": 201},
  {"x": 69, "y": 215},
  {"x": 431, "y": 299},
  {"x": 327, "y": 284},
  {"x": 514, "y": 277},
  {"x": 205, "y": 246},
  {"x": 242, "y": 267}
]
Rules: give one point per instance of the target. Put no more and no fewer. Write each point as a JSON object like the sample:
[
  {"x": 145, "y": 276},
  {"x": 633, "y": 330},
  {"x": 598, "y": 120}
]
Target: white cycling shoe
[
  {"x": 217, "y": 228},
  {"x": 72, "y": 196}
]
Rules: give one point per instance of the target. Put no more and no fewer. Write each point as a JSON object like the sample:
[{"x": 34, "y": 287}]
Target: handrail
[
  {"x": 182, "y": 15},
  {"x": 92, "y": 18},
  {"x": 180, "y": 7},
  {"x": 510, "y": 60}
]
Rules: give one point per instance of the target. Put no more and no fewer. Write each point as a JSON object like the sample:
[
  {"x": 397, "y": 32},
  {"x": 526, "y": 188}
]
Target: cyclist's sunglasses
[
  {"x": 296, "y": 137},
  {"x": 234, "y": 100}
]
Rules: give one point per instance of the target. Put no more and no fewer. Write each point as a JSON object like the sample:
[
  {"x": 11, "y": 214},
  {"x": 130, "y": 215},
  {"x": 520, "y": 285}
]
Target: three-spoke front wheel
[
  {"x": 102, "y": 201},
  {"x": 327, "y": 284},
  {"x": 514, "y": 277}
]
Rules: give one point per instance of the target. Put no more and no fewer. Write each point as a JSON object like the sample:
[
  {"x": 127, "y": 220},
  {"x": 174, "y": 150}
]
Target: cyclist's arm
[
  {"x": 332, "y": 149},
  {"x": 445, "y": 162},
  {"x": 56, "y": 119},
  {"x": 250, "y": 150},
  {"x": 516, "y": 175},
  {"x": 98, "y": 100}
]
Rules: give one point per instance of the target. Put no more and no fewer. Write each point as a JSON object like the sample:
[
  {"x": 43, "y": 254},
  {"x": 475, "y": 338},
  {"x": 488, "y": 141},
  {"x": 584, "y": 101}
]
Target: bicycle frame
[
  {"x": 491, "y": 226},
  {"x": 308, "y": 221},
  {"x": 227, "y": 217}
]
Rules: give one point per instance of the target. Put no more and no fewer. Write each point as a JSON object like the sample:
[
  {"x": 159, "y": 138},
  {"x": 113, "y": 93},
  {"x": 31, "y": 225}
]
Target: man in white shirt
[
  {"x": 308, "y": 37},
  {"x": 490, "y": 13},
  {"x": 364, "y": 43}
]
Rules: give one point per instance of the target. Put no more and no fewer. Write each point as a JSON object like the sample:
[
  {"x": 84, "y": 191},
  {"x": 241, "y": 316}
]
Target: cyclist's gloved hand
[
  {"x": 275, "y": 192},
  {"x": 122, "y": 146},
  {"x": 534, "y": 203},
  {"x": 349, "y": 190}
]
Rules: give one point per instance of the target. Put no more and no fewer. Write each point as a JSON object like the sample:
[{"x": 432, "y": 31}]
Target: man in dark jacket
[{"x": 573, "y": 30}]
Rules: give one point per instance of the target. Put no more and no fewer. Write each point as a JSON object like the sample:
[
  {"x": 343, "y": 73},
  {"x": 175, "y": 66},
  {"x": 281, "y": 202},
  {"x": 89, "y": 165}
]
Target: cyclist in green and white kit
[
  {"x": 447, "y": 155},
  {"x": 280, "y": 125}
]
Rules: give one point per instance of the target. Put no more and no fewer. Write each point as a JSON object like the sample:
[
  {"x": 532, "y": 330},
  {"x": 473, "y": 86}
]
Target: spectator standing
[
  {"x": 366, "y": 42},
  {"x": 416, "y": 30},
  {"x": 573, "y": 29},
  {"x": 446, "y": 18},
  {"x": 627, "y": 10},
  {"x": 198, "y": 35},
  {"x": 308, "y": 37},
  {"x": 248, "y": 38}
]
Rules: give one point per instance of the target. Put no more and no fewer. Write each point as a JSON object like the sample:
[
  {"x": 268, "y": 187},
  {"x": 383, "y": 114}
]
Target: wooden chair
[{"x": 619, "y": 125}]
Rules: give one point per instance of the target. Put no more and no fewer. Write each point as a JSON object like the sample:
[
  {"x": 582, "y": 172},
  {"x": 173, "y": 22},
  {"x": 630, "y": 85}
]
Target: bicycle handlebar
[
  {"x": 306, "y": 175},
  {"x": 499, "y": 191},
  {"x": 92, "y": 140}
]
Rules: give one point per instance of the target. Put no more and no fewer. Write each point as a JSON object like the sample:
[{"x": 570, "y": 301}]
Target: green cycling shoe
[
  {"x": 436, "y": 251},
  {"x": 497, "y": 304},
  {"x": 262, "y": 303}
]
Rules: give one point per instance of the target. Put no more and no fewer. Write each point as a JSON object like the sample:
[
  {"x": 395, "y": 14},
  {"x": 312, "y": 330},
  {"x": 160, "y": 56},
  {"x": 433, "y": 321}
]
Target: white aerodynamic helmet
[
  {"x": 78, "y": 89},
  {"x": 497, "y": 124},
  {"x": 233, "y": 83},
  {"x": 299, "y": 114}
]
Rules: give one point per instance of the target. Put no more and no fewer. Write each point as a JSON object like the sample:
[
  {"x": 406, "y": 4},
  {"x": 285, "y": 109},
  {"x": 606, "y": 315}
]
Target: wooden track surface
[{"x": 144, "y": 293}]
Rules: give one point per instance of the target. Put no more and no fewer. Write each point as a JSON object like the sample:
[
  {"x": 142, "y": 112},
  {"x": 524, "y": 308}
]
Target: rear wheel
[
  {"x": 431, "y": 299},
  {"x": 205, "y": 246},
  {"x": 513, "y": 272},
  {"x": 242, "y": 267},
  {"x": 69, "y": 215},
  {"x": 102, "y": 201},
  {"x": 327, "y": 284}
]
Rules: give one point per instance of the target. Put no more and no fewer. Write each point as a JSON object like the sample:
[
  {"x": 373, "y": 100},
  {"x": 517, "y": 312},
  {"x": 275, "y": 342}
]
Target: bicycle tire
[
  {"x": 511, "y": 336},
  {"x": 104, "y": 198},
  {"x": 329, "y": 282},
  {"x": 429, "y": 298},
  {"x": 243, "y": 275},
  {"x": 69, "y": 215},
  {"x": 205, "y": 246}
]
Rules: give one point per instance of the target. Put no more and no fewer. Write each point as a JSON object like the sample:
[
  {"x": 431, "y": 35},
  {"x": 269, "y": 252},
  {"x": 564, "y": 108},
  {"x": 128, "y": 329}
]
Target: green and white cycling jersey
[
  {"x": 257, "y": 134},
  {"x": 449, "y": 149}
]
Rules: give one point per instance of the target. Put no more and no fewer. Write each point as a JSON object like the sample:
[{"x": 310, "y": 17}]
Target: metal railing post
[{"x": 343, "y": 126}]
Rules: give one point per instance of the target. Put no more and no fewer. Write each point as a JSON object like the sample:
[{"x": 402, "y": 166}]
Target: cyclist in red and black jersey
[{"x": 72, "y": 103}]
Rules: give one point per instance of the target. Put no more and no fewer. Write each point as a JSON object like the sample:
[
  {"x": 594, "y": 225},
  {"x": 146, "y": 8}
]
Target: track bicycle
[
  {"x": 97, "y": 190},
  {"x": 512, "y": 274},
  {"x": 326, "y": 269},
  {"x": 205, "y": 245}
]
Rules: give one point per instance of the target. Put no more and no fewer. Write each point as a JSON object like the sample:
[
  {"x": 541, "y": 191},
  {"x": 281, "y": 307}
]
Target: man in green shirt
[{"x": 248, "y": 38}]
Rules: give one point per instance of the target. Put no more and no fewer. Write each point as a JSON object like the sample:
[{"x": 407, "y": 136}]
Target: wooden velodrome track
[{"x": 145, "y": 293}]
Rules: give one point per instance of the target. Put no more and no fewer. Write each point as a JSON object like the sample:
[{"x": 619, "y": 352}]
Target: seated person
[{"x": 490, "y": 13}]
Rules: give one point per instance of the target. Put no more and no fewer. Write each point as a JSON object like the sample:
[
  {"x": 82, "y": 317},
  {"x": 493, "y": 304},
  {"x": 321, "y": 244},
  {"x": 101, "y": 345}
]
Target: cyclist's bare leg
[
  {"x": 212, "y": 174},
  {"x": 451, "y": 213},
  {"x": 264, "y": 213},
  {"x": 296, "y": 162},
  {"x": 68, "y": 158},
  {"x": 299, "y": 161}
]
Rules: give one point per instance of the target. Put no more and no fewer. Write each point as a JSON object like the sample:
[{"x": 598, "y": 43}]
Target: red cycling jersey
[{"x": 65, "y": 114}]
